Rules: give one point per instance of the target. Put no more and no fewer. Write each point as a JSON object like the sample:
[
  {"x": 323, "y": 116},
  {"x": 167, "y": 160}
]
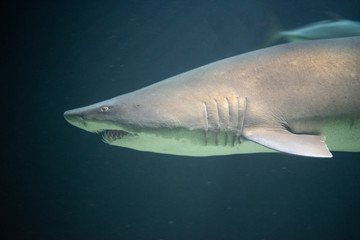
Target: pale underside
[{"x": 341, "y": 135}]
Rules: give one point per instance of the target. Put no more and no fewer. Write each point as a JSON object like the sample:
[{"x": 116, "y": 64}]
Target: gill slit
[
  {"x": 242, "y": 104},
  {"x": 228, "y": 123},
  {"x": 217, "y": 123},
  {"x": 206, "y": 123}
]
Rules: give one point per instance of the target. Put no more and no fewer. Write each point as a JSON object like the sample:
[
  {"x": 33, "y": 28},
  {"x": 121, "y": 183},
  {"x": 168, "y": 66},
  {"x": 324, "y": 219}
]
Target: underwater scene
[{"x": 194, "y": 120}]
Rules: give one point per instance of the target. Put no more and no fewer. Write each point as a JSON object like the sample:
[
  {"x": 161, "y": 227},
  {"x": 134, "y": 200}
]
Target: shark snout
[{"x": 74, "y": 118}]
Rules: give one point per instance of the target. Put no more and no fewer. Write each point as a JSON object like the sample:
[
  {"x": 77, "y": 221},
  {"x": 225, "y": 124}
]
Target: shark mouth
[{"x": 109, "y": 136}]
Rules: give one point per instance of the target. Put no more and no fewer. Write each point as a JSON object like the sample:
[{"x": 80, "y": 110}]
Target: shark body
[{"x": 298, "y": 98}]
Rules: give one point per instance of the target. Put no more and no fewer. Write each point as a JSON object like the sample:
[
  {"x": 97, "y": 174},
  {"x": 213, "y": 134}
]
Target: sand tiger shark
[{"x": 299, "y": 98}]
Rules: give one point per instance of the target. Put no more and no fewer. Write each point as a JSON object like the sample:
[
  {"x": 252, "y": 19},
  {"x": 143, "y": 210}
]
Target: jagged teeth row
[{"x": 112, "y": 135}]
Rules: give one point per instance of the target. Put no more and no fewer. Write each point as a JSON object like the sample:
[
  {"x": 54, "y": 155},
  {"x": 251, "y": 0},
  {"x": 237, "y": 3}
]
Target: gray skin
[{"x": 298, "y": 98}]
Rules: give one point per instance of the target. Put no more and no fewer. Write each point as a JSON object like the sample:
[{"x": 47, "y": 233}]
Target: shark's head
[
  {"x": 100, "y": 118},
  {"x": 120, "y": 118},
  {"x": 147, "y": 122}
]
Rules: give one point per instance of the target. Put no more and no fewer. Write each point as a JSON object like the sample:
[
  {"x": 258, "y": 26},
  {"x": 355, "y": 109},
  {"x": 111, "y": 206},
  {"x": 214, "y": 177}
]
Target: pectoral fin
[{"x": 285, "y": 141}]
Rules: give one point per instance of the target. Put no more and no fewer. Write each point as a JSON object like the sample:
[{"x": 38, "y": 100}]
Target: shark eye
[{"x": 104, "y": 108}]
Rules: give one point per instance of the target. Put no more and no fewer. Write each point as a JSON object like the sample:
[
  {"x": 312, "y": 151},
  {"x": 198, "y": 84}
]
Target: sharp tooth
[{"x": 110, "y": 135}]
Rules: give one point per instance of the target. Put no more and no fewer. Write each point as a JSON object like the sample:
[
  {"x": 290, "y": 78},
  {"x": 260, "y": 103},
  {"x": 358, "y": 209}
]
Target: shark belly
[
  {"x": 196, "y": 143},
  {"x": 342, "y": 133}
]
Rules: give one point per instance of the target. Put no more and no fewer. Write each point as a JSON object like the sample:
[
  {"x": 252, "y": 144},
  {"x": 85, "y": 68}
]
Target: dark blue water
[{"x": 59, "y": 182}]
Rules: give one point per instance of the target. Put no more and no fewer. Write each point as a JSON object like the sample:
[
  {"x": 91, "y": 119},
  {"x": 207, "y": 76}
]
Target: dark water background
[{"x": 59, "y": 182}]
